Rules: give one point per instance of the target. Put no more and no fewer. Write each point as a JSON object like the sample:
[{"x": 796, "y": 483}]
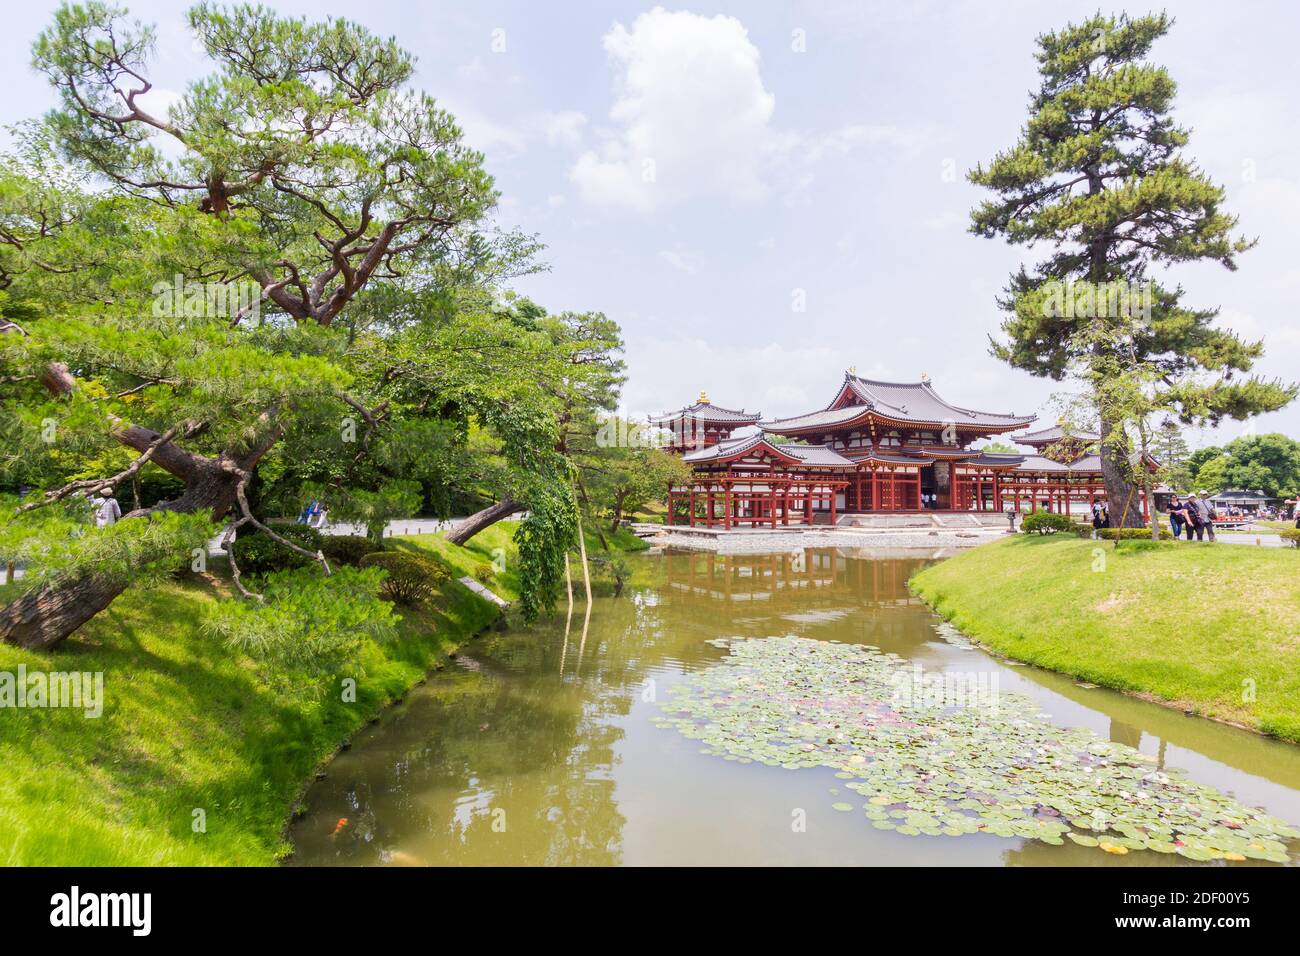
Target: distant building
[
  {"x": 876, "y": 447},
  {"x": 1243, "y": 500}
]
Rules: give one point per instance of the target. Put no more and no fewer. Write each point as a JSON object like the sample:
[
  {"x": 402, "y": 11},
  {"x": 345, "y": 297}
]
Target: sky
[{"x": 764, "y": 194}]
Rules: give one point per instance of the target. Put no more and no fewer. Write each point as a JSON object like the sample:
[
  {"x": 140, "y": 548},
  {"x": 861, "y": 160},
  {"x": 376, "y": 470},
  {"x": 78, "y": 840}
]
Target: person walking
[
  {"x": 107, "y": 510},
  {"x": 1176, "y": 517},
  {"x": 1200, "y": 507}
]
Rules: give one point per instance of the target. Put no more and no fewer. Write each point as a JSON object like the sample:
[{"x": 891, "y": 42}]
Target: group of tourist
[{"x": 1193, "y": 515}]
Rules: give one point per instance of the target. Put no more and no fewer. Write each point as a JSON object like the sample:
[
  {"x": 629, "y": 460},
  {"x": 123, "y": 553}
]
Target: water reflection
[{"x": 536, "y": 748}]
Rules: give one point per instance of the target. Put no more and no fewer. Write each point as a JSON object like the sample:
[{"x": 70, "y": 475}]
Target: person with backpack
[{"x": 1202, "y": 510}]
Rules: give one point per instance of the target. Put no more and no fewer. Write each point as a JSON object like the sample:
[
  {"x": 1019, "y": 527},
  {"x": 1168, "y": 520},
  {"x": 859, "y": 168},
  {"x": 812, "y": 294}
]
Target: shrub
[
  {"x": 347, "y": 548},
  {"x": 310, "y": 627},
  {"x": 411, "y": 578},
  {"x": 1045, "y": 522},
  {"x": 485, "y": 574},
  {"x": 259, "y": 553},
  {"x": 1132, "y": 534},
  {"x": 1290, "y": 536}
]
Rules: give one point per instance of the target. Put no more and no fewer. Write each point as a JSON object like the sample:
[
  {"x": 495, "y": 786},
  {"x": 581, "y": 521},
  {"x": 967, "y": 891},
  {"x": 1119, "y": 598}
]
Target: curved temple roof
[
  {"x": 708, "y": 412},
  {"x": 1056, "y": 433},
  {"x": 816, "y": 456},
  {"x": 905, "y": 402}
]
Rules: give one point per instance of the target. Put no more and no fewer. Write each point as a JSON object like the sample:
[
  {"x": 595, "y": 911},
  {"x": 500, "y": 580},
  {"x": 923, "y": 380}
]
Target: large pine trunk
[
  {"x": 45, "y": 616},
  {"x": 484, "y": 519},
  {"x": 42, "y": 618},
  {"x": 1123, "y": 497}
]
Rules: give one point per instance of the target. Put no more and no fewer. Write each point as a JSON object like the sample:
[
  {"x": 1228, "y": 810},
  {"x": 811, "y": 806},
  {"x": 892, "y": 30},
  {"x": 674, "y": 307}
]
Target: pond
[{"x": 625, "y": 745}]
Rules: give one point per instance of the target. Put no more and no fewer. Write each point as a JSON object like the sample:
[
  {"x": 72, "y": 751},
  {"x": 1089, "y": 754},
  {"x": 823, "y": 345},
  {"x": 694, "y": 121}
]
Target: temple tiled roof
[
  {"x": 817, "y": 455},
  {"x": 898, "y": 401},
  {"x": 1056, "y": 433},
  {"x": 724, "y": 449},
  {"x": 995, "y": 460},
  {"x": 1088, "y": 463},
  {"x": 708, "y": 412},
  {"x": 828, "y": 418}
]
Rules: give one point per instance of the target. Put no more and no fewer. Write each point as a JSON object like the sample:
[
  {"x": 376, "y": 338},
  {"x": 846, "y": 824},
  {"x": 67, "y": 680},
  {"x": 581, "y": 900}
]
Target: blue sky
[{"x": 801, "y": 153}]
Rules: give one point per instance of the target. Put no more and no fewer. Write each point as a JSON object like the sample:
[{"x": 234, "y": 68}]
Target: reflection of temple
[
  {"x": 877, "y": 447},
  {"x": 792, "y": 577}
]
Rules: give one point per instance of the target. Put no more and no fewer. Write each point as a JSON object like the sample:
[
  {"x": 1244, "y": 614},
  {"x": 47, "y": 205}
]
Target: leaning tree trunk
[
  {"x": 484, "y": 519},
  {"x": 46, "y": 615},
  {"x": 1121, "y": 492}
]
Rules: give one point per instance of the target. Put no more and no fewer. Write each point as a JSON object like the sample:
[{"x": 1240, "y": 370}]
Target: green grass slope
[
  {"x": 1212, "y": 628},
  {"x": 187, "y": 727}
]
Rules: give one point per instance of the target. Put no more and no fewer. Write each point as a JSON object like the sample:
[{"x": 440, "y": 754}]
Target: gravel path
[{"x": 772, "y": 542}]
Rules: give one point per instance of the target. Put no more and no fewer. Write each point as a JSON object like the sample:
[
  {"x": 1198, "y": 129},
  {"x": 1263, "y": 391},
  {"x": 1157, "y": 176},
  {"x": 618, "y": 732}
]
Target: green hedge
[
  {"x": 1290, "y": 536},
  {"x": 1132, "y": 534},
  {"x": 258, "y": 553},
  {"x": 1045, "y": 522},
  {"x": 411, "y": 579},
  {"x": 347, "y": 548}
]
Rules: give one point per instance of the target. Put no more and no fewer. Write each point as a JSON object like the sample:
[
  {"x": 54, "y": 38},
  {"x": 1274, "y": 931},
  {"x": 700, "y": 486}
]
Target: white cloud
[
  {"x": 563, "y": 128},
  {"x": 692, "y": 117},
  {"x": 678, "y": 261},
  {"x": 778, "y": 379},
  {"x": 691, "y": 113}
]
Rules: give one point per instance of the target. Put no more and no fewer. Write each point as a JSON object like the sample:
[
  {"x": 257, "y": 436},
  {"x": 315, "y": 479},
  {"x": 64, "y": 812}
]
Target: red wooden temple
[{"x": 877, "y": 447}]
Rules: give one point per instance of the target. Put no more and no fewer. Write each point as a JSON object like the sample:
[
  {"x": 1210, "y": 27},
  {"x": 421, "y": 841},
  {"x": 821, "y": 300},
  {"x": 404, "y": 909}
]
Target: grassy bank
[
  {"x": 1214, "y": 629},
  {"x": 188, "y": 726}
]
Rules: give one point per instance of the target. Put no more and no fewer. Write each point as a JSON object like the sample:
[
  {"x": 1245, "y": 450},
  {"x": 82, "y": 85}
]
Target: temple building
[
  {"x": 702, "y": 424},
  {"x": 876, "y": 447}
]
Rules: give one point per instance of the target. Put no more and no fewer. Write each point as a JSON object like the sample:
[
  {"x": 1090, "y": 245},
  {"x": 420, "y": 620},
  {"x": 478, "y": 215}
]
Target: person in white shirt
[{"x": 107, "y": 510}]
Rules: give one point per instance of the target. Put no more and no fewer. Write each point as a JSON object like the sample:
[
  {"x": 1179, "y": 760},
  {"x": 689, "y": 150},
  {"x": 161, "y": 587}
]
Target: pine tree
[{"x": 1099, "y": 177}]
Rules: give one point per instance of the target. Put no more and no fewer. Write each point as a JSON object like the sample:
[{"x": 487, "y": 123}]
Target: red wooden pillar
[
  {"x": 808, "y": 506},
  {"x": 708, "y": 507},
  {"x": 771, "y": 497},
  {"x": 692, "y": 504},
  {"x": 875, "y": 491},
  {"x": 832, "y": 497},
  {"x": 726, "y": 506}
]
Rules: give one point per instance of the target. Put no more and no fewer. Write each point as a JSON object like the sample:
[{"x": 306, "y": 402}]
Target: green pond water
[{"x": 541, "y": 747}]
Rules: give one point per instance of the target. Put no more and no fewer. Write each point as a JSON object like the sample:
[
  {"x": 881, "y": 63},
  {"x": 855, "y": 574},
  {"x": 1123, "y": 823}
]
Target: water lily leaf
[{"x": 932, "y": 767}]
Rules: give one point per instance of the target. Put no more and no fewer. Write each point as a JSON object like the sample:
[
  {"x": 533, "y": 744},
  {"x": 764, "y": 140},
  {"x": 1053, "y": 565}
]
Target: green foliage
[
  {"x": 346, "y": 548},
  {"x": 1132, "y": 534},
  {"x": 1268, "y": 463},
  {"x": 374, "y": 509},
  {"x": 142, "y": 550},
  {"x": 1045, "y": 522},
  {"x": 623, "y": 473},
  {"x": 410, "y": 578},
  {"x": 543, "y": 540},
  {"x": 1290, "y": 536},
  {"x": 1098, "y": 177},
  {"x": 485, "y": 574},
  {"x": 613, "y": 568},
  {"x": 259, "y": 553},
  {"x": 310, "y": 627}
]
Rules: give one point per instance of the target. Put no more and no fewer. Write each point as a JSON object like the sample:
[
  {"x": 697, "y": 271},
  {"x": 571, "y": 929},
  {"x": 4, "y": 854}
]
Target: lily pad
[{"x": 927, "y": 767}]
